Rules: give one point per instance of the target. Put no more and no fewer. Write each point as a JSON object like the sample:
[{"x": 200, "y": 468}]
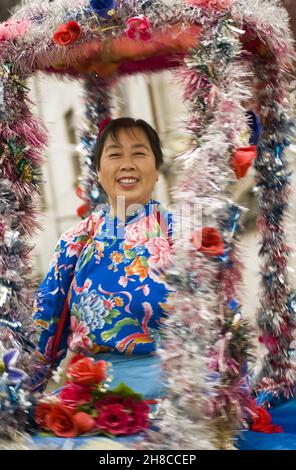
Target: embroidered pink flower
[
  {"x": 136, "y": 233},
  {"x": 79, "y": 335},
  {"x": 12, "y": 29},
  {"x": 123, "y": 280},
  {"x": 83, "y": 228},
  {"x": 138, "y": 27},
  {"x": 109, "y": 303},
  {"x": 145, "y": 289},
  {"x": 159, "y": 250}
]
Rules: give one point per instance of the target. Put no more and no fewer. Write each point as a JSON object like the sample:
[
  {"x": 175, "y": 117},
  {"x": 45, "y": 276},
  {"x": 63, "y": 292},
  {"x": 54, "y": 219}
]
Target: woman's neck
[{"x": 121, "y": 209}]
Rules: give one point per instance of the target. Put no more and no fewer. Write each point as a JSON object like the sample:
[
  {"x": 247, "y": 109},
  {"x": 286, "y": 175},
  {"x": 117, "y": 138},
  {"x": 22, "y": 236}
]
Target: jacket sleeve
[{"x": 52, "y": 293}]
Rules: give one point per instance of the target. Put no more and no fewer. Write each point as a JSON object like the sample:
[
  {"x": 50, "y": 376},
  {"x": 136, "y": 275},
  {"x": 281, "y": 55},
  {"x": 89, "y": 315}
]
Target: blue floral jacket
[{"x": 114, "y": 276}]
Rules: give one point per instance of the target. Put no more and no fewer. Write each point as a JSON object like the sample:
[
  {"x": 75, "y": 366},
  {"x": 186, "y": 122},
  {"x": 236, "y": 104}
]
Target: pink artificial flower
[
  {"x": 109, "y": 400},
  {"x": 114, "y": 419},
  {"x": 138, "y": 27},
  {"x": 160, "y": 252},
  {"x": 137, "y": 422},
  {"x": 12, "y": 29},
  {"x": 74, "y": 394}
]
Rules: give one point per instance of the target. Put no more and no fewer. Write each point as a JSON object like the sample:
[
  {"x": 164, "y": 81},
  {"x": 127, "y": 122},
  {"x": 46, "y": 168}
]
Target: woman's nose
[{"x": 127, "y": 164}]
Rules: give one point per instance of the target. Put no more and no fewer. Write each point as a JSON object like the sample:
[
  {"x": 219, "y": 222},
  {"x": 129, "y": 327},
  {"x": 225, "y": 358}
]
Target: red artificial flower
[
  {"x": 76, "y": 358},
  {"x": 67, "y": 33},
  {"x": 138, "y": 27},
  {"x": 242, "y": 159},
  {"x": 209, "y": 241},
  {"x": 41, "y": 414},
  {"x": 73, "y": 395},
  {"x": 87, "y": 372},
  {"x": 270, "y": 342},
  {"x": 137, "y": 422},
  {"x": 262, "y": 422},
  {"x": 108, "y": 400},
  {"x": 114, "y": 419},
  {"x": 84, "y": 422},
  {"x": 140, "y": 407},
  {"x": 60, "y": 421}
]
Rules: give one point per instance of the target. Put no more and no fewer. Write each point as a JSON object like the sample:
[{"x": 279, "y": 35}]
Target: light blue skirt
[{"x": 141, "y": 373}]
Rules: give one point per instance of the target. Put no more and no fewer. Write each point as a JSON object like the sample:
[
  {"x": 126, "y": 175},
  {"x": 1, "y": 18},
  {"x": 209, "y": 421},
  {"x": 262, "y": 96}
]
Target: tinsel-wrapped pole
[
  {"x": 97, "y": 107},
  {"x": 22, "y": 139},
  {"x": 207, "y": 342}
]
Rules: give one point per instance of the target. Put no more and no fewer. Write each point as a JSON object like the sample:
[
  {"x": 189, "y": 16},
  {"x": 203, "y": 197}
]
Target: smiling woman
[
  {"x": 128, "y": 157},
  {"x": 112, "y": 280}
]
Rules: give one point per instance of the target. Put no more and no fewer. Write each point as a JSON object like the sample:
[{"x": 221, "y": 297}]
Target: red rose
[
  {"x": 67, "y": 33},
  {"x": 73, "y": 394},
  {"x": 41, "y": 414},
  {"x": 114, "y": 419},
  {"x": 137, "y": 406},
  {"x": 242, "y": 159},
  {"x": 109, "y": 400},
  {"x": 137, "y": 422},
  {"x": 262, "y": 422},
  {"x": 60, "y": 421},
  {"x": 87, "y": 372},
  {"x": 209, "y": 241},
  {"x": 76, "y": 358},
  {"x": 84, "y": 422}
]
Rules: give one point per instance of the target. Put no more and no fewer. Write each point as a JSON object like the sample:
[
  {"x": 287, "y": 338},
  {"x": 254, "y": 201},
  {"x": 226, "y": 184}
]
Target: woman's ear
[
  {"x": 99, "y": 177},
  {"x": 157, "y": 175}
]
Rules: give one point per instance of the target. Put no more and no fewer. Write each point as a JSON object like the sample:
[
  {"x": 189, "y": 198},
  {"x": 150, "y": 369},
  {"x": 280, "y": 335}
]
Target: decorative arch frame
[{"x": 214, "y": 48}]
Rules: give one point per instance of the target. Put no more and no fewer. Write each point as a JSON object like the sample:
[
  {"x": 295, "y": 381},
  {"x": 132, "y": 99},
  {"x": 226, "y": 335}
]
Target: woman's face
[{"x": 127, "y": 167}]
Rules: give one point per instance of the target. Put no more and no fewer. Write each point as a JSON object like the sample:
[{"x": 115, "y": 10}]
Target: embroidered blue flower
[
  {"x": 92, "y": 310},
  {"x": 103, "y": 7}
]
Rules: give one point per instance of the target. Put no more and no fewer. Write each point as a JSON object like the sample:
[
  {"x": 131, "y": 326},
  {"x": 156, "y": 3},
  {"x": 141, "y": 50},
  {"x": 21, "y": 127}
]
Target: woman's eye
[
  {"x": 140, "y": 154},
  {"x": 114, "y": 155}
]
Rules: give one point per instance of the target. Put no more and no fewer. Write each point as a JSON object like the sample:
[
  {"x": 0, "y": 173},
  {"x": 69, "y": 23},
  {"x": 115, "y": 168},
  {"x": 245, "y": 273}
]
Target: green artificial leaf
[{"x": 126, "y": 392}]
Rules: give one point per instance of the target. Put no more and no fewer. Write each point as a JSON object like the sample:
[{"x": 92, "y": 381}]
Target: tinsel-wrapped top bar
[{"x": 114, "y": 37}]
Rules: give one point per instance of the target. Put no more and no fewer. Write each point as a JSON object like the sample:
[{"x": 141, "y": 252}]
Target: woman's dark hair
[{"x": 113, "y": 128}]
